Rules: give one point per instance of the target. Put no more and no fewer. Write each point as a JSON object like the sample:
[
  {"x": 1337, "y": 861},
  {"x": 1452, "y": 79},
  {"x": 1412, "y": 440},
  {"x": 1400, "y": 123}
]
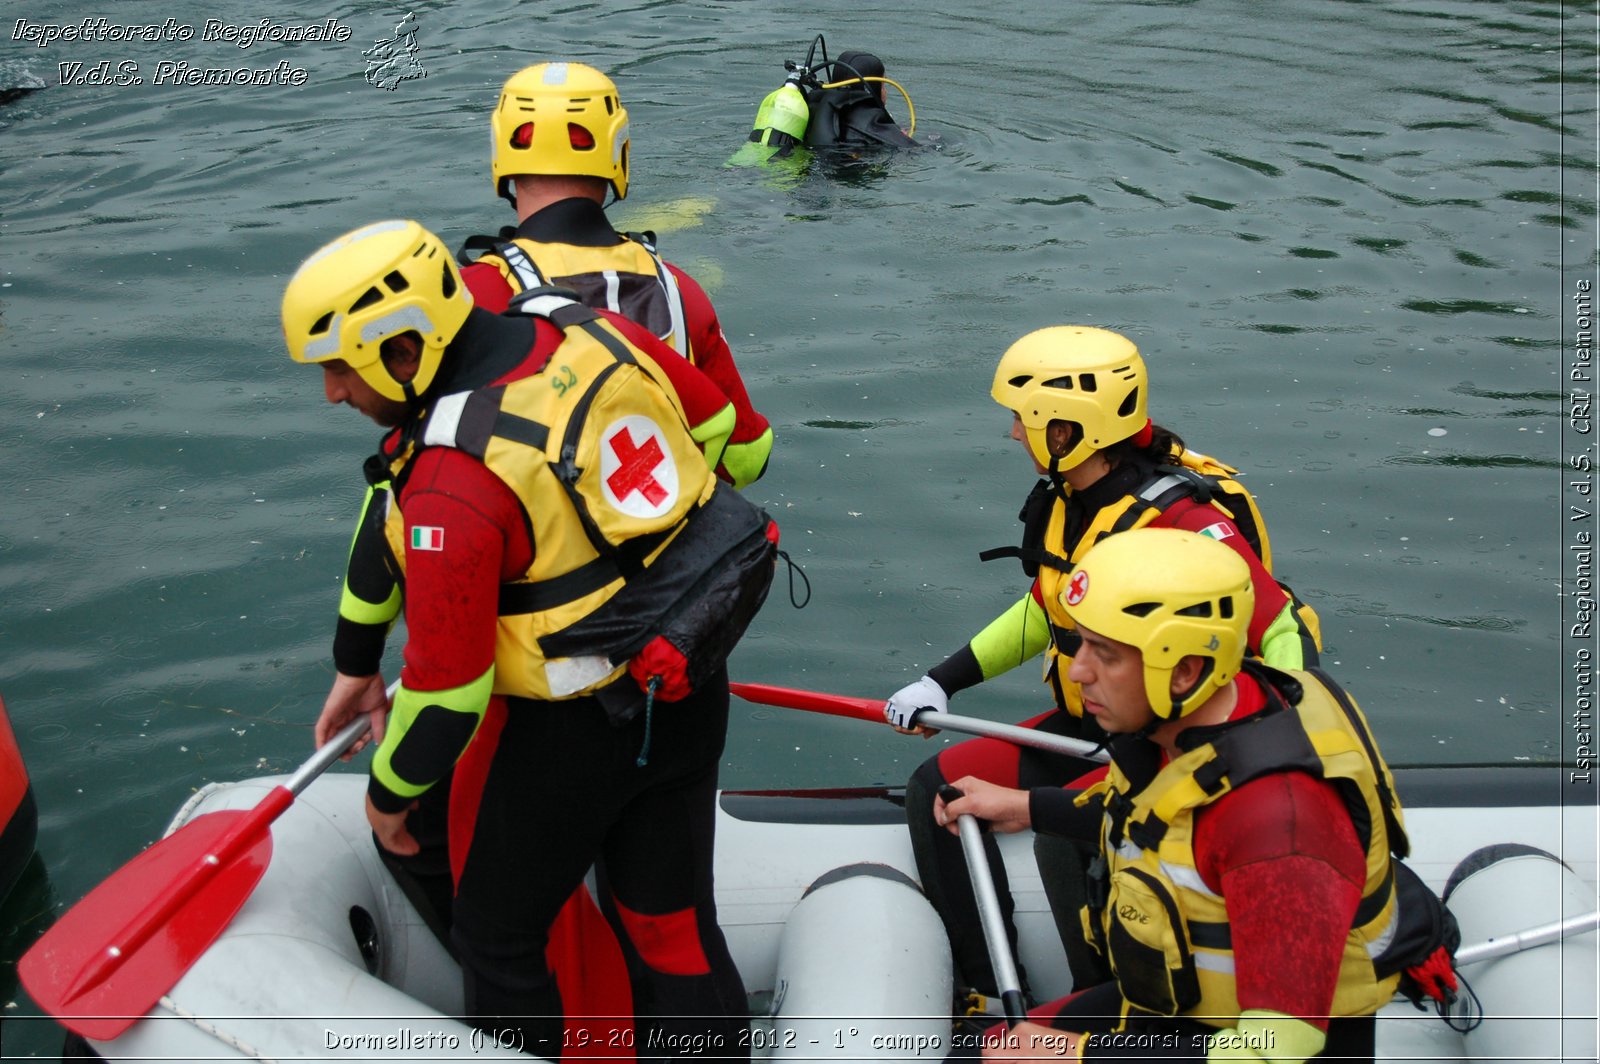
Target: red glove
[{"x": 660, "y": 658}]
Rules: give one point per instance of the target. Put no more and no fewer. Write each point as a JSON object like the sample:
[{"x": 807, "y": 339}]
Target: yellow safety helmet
[
  {"x": 378, "y": 281},
  {"x": 1091, "y": 377},
  {"x": 559, "y": 118},
  {"x": 1169, "y": 593}
]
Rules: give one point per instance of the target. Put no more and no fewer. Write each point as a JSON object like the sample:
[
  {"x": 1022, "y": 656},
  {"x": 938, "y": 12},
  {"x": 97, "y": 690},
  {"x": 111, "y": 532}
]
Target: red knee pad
[{"x": 669, "y": 943}]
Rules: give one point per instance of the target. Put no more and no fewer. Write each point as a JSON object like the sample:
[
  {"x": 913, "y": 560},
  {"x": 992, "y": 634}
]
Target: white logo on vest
[{"x": 637, "y": 472}]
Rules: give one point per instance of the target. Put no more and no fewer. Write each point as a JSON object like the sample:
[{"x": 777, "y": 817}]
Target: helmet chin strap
[
  {"x": 1177, "y": 701},
  {"x": 1156, "y": 721}
]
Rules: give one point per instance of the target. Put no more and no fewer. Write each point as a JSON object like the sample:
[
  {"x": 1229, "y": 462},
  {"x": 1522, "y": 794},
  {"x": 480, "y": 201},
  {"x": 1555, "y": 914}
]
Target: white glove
[{"x": 903, "y": 706}]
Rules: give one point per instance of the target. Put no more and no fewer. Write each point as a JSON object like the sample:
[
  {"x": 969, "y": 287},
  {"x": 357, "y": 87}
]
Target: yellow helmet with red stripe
[{"x": 559, "y": 118}]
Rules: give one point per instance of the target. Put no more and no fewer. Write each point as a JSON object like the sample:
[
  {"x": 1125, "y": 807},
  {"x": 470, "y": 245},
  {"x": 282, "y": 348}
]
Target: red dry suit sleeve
[
  {"x": 1199, "y": 517},
  {"x": 701, "y": 398},
  {"x": 465, "y": 535},
  {"x": 1283, "y": 853},
  {"x": 713, "y": 357},
  {"x": 489, "y": 289}
]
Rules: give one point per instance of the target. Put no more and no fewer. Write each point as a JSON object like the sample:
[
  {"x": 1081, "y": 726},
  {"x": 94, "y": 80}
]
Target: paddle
[
  {"x": 872, "y": 710},
  {"x": 115, "y": 953},
  {"x": 994, "y": 926}
]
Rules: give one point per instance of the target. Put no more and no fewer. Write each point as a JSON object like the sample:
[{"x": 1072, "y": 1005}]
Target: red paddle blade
[
  {"x": 112, "y": 955},
  {"x": 813, "y": 701}
]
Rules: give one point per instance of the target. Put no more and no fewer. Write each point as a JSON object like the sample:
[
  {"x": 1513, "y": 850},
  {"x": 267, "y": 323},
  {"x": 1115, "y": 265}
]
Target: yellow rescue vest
[
  {"x": 596, "y": 449},
  {"x": 628, "y": 278},
  {"x": 1165, "y": 933},
  {"x": 1197, "y": 476}
]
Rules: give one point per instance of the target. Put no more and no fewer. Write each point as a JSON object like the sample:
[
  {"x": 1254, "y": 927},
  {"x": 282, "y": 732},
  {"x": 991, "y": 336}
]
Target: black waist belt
[{"x": 585, "y": 579}]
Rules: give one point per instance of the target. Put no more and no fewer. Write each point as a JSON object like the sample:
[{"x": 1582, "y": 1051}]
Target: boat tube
[{"x": 844, "y": 958}]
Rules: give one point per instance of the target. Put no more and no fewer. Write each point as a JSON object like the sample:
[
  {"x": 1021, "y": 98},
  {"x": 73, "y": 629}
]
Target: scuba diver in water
[
  {"x": 835, "y": 104},
  {"x": 851, "y": 111}
]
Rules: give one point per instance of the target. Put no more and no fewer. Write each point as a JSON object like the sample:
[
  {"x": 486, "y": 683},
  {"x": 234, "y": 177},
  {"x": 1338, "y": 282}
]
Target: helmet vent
[
  {"x": 522, "y": 136},
  {"x": 448, "y": 284},
  {"x": 320, "y": 326},
  {"x": 396, "y": 282},
  {"x": 368, "y": 298},
  {"x": 1130, "y": 404},
  {"x": 580, "y": 138},
  {"x": 1018, "y": 382},
  {"x": 1199, "y": 609},
  {"x": 1086, "y": 382},
  {"x": 1064, "y": 383},
  {"x": 1225, "y": 607},
  {"x": 1140, "y": 609},
  {"x": 611, "y": 105}
]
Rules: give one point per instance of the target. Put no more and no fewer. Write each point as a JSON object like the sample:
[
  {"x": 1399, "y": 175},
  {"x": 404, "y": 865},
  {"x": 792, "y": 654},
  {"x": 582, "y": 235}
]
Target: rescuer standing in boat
[
  {"x": 1245, "y": 890},
  {"x": 1078, "y": 399},
  {"x": 575, "y": 577},
  {"x": 560, "y": 144}
]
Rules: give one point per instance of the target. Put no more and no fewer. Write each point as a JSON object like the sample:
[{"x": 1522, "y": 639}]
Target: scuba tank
[
  {"x": 779, "y": 132},
  {"x": 782, "y": 117}
]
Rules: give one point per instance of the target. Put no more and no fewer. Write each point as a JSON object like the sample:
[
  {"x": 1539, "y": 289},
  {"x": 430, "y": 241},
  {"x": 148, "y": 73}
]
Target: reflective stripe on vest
[{"x": 628, "y": 278}]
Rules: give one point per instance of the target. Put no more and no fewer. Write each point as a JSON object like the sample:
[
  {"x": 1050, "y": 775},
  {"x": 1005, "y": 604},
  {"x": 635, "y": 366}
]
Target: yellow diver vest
[
  {"x": 1197, "y": 476},
  {"x": 596, "y": 449},
  {"x": 1165, "y": 933},
  {"x": 628, "y": 278}
]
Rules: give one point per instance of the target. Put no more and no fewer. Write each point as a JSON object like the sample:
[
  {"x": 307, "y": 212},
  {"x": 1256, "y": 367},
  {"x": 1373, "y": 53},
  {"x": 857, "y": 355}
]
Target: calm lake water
[{"x": 1345, "y": 235}]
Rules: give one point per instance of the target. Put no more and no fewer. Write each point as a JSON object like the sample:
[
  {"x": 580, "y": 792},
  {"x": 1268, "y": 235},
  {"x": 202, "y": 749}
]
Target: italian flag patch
[
  {"x": 1220, "y": 530},
  {"x": 424, "y": 537}
]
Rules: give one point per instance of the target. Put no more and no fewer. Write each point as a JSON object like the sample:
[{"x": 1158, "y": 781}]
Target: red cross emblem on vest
[
  {"x": 636, "y": 467},
  {"x": 636, "y": 471},
  {"x": 1078, "y": 588}
]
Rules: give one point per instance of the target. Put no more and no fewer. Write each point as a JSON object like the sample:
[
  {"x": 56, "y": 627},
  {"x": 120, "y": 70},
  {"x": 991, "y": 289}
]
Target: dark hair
[{"x": 1164, "y": 448}]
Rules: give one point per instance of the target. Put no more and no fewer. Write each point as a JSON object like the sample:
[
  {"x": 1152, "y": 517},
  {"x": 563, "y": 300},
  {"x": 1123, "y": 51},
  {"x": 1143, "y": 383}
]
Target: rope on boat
[
  {"x": 206, "y": 1027},
  {"x": 187, "y": 809}
]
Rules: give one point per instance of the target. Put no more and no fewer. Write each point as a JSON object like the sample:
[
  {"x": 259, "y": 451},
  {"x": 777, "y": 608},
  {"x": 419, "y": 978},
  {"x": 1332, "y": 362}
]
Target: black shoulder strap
[
  {"x": 474, "y": 247},
  {"x": 1167, "y": 485},
  {"x": 1272, "y": 740},
  {"x": 1035, "y": 518},
  {"x": 1399, "y": 845},
  {"x": 560, "y": 306},
  {"x": 1033, "y": 558}
]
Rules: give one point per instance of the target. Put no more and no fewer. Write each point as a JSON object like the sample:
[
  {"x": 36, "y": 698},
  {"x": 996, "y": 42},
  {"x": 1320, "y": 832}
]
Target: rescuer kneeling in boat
[
  {"x": 574, "y": 577},
  {"x": 1078, "y": 397},
  {"x": 1245, "y": 888}
]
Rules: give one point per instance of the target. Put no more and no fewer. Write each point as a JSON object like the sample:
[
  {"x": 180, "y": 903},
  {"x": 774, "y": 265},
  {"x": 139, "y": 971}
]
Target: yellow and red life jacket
[{"x": 1164, "y": 931}]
